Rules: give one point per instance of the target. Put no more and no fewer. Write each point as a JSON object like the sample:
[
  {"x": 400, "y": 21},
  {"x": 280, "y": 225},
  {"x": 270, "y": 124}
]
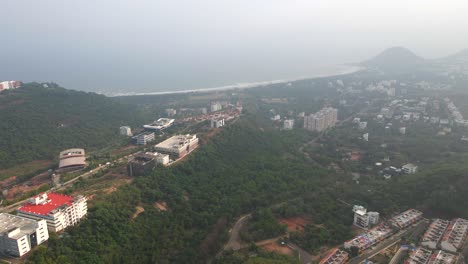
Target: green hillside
[{"x": 37, "y": 122}]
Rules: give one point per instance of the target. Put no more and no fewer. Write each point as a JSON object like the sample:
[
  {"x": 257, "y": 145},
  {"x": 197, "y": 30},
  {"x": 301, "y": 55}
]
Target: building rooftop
[
  {"x": 442, "y": 257},
  {"x": 16, "y": 226},
  {"x": 435, "y": 230},
  {"x": 456, "y": 232},
  {"x": 43, "y": 204},
  {"x": 161, "y": 123},
  {"x": 370, "y": 237},
  {"x": 419, "y": 256},
  {"x": 336, "y": 256},
  {"x": 406, "y": 218},
  {"x": 176, "y": 142}
]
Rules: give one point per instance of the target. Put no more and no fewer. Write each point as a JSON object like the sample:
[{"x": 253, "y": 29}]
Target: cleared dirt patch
[
  {"x": 295, "y": 223},
  {"x": 274, "y": 247},
  {"x": 25, "y": 168},
  {"x": 138, "y": 211}
]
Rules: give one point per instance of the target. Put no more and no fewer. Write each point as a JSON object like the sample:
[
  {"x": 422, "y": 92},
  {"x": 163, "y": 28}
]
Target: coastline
[{"x": 348, "y": 70}]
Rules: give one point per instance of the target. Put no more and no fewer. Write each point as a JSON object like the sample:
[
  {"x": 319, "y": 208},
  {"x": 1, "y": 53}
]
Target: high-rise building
[
  {"x": 18, "y": 235},
  {"x": 60, "y": 211},
  {"x": 323, "y": 119}
]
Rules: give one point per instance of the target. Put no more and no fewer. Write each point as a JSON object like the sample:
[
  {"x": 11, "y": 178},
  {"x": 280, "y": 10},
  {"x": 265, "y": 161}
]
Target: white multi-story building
[
  {"x": 455, "y": 235},
  {"x": 288, "y": 124},
  {"x": 323, "y": 119},
  {"x": 144, "y": 138},
  {"x": 18, "y": 235},
  {"x": 60, "y": 211},
  {"x": 170, "y": 112},
  {"x": 364, "y": 219},
  {"x": 215, "y": 123},
  {"x": 409, "y": 168},
  {"x": 215, "y": 106},
  {"x": 125, "y": 131},
  {"x": 177, "y": 146}
]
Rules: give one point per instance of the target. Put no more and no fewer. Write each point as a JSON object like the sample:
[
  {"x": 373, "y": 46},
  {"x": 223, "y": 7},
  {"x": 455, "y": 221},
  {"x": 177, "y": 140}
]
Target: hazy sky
[{"x": 152, "y": 45}]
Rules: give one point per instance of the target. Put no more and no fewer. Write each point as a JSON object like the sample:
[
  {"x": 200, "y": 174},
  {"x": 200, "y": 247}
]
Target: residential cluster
[
  {"x": 33, "y": 220},
  {"x": 322, "y": 120},
  {"x": 336, "y": 256},
  {"x": 384, "y": 230},
  {"x": 6, "y": 85},
  {"x": 457, "y": 116}
]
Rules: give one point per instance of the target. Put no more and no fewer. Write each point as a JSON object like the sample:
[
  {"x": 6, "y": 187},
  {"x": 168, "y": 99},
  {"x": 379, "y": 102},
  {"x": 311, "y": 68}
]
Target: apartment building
[
  {"x": 406, "y": 218},
  {"x": 370, "y": 237},
  {"x": 336, "y": 256},
  {"x": 434, "y": 233},
  {"x": 288, "y": 124},
  {"x": 455, "y": 235},
  {"x": 409, "y": 168},
  {"x": 217, "y": 122},
  {"x": 144, "y": 138},
  {"x": 18, "y": 235},
  {"x": 364, "y": 219},
  {"x": 324, "y": 119},
  {"x": 426, "y": 256},
  {"x": 59, "y": 211}
]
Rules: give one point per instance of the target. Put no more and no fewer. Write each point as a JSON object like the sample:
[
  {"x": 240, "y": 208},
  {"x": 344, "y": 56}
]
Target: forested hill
[{"x": 36, "y": 122}]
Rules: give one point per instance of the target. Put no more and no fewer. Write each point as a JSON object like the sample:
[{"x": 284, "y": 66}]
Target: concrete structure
[
  {"x": 18, "y": 235},
  {"x": 455, "y": 235},
  {"x": 125, "y": 131},
  {"x": 288, "y": 124},
  {"x": 364, "y": 219},
  {"x": 325, "y": 118},
  {"x": 409, "y": 168},
  {"x": 215, "y": 106},
  {"x": 434, "y": 233},
  {"x": 403, "y": 130},
  {"x": 370, "y": 238},
  {"x": 141, "y": 164},
  {"x": 177, "y": 146},
  {"x": 144, "y": 138},
  {"x": 170, "y": 112},
  {"x": 365, "y": 136},
  {"x": 72, "y": 158},
  {"x": 6, "y": 85},
  {"x": 426, "y": 256},
  {"x": 362, "y": 125},
  {"x": 336, "y": 256},
  {"x": 60, "y": 211},
  {"x": 217, "y": 122},
  {"x": 160, "y": 124},
  {"x": 406, "y": 218}
]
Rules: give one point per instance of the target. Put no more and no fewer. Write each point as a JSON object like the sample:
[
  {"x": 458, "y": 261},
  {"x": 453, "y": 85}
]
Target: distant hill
[
  {"x": 396, "y": 60},
  {"x": 457, "y": 58},
  {"x": 37, "y": 122}
]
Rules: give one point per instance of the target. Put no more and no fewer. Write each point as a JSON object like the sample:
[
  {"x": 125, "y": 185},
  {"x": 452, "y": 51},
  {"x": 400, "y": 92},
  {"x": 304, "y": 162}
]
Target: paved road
[{"x": 235, "y": 242}]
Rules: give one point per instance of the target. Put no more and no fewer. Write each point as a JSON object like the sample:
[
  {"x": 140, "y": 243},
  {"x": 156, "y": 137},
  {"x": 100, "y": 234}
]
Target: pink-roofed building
[{"x": 60, "y": 211}]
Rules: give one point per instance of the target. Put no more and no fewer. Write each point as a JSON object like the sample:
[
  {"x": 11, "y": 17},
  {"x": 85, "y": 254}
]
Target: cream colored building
[{"x": 18, "y": 235}]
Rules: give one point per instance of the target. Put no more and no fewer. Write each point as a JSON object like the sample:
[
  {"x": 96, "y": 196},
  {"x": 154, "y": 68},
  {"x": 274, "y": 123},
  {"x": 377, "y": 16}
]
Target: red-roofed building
[{"x": 60, "y": 211}]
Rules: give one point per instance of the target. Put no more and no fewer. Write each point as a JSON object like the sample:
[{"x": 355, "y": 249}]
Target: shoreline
[{"x": 242, "y": 86}]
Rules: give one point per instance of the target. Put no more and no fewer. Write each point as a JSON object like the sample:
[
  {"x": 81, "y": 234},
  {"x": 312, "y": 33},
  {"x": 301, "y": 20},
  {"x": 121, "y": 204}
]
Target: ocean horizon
[{"x": 325, "y": 72}]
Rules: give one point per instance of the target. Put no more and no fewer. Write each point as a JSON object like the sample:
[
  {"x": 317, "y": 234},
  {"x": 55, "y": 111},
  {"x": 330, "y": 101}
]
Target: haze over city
[{"x": 153, "y": 46}]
